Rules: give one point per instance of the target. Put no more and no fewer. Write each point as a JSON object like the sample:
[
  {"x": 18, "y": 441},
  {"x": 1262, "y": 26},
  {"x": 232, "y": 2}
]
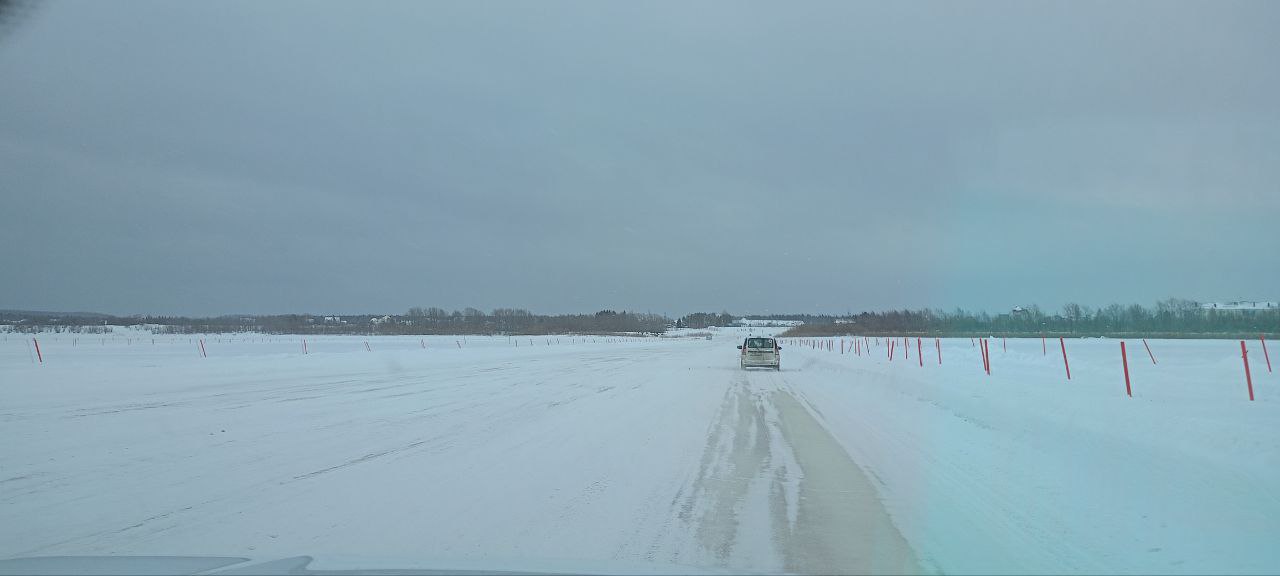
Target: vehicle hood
[{"x": 324, "y": 565}]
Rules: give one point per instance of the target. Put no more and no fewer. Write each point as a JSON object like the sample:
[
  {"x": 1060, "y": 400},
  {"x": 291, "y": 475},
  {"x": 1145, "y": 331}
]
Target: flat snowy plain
[{"x": 641, "y": 454}]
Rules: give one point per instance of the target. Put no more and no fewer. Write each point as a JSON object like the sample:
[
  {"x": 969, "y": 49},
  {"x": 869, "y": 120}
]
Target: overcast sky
[{"x": 270, "y": 157}]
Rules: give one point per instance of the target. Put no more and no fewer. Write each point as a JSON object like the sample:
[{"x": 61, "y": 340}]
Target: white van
[{"x": 760, "y": 352}]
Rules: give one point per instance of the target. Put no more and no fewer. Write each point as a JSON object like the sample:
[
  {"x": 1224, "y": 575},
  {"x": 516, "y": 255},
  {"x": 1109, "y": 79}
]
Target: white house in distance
[
  {"x": 1241, "y": 306},
  {"x": 761, "y": 322}
]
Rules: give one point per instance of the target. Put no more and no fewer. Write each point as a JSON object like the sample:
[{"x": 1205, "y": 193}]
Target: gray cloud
[{"x": 220, "y": 157}]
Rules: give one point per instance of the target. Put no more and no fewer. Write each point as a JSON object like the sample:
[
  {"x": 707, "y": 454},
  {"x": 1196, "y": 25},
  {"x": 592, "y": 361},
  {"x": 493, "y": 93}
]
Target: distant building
[
  {"x": 1241, "y": 306},
  {"x": 761, "y": 322}
]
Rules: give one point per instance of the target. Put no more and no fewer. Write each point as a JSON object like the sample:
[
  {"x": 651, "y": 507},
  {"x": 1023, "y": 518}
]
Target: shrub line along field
[{"x": 643, "y": 454}]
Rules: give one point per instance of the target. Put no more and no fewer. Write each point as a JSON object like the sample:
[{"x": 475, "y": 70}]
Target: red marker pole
[
  {"x": 986, "y": 346},
  {"x": 1003, "y": 346},
  {"x": 38, "y": 354},
  {"x": 203, "y": 354},
  {"x": 1124, "y": 358},
  {"x": 1244, "y": 354},
  {"x": 919, "y": 356},
  {"x": 1064, "y": 357},
  {"x": 304, "y": 345},
  {"x": 1153, "y": 356},
  {"x": 906, "y": 348},
  {"x": 1263, "y": 339},
  {"x": 1044, "y": 351},
  {"x": 938, "y": 344}
]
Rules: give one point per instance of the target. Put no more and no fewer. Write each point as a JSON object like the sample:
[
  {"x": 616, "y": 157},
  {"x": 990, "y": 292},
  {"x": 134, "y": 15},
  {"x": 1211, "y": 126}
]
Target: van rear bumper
[{"x": 770, "y": 361}]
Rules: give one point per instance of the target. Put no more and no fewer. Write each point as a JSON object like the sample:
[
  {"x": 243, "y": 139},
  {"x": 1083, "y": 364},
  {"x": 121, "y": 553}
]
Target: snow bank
[{"x": 1025, "y": 471}]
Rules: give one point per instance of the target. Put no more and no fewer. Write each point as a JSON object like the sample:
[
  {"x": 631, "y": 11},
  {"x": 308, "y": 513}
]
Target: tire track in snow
[
  {"x": 841, "y": 525},
  {"x": 774, "y": 485}
]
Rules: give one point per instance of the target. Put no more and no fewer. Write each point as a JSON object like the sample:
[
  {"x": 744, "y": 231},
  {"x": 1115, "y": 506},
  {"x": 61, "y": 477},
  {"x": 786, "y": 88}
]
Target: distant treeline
[
  {"x": 705, "y": 320},
  {"x": 421, "y": 321},
  {"x": 1172, "y": 318}
]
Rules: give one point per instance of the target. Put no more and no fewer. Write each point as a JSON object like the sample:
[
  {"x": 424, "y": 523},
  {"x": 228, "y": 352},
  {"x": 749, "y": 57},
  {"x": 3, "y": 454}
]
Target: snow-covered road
[{"x": 637, "y": 454}]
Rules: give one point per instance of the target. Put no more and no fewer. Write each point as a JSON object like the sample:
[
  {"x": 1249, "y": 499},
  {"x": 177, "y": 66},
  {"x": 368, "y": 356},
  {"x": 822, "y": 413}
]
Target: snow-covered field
[{"x": 632, "y": 454}]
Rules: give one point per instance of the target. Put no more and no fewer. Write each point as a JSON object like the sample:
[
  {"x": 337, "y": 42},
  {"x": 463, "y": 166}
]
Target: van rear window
[{"x": 759, "y": 342}]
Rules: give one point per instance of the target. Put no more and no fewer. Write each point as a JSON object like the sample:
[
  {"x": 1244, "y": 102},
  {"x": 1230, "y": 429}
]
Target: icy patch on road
[{"x": 775, "y": 491}]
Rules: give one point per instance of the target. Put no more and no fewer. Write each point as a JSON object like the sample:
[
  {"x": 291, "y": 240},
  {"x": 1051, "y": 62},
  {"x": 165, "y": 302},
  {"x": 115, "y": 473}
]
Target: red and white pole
[
  {"x": 1244, "y": 354},
  {"x": 1263, "y": 339},
  {"x": 1065, "y": 364},
  {"x": 1124, "y": 358}
]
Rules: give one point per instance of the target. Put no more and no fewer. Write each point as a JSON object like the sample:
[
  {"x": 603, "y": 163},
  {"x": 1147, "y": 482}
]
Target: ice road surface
[{"x": 630, "y": 452}]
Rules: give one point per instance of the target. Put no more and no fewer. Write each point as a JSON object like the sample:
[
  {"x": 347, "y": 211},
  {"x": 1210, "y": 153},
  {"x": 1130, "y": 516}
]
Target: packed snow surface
[{"x": 617, "y": 453}]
